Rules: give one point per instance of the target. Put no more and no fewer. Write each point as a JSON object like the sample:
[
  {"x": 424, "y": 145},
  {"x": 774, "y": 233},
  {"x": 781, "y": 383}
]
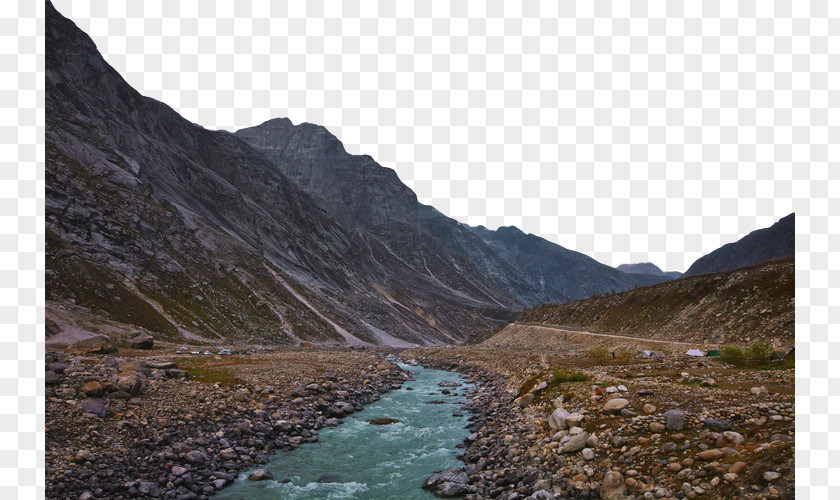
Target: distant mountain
[
  {"x": 774, "y": 242},
  {"x": 648, "y": 268},
  {"x": 562, "y": 275}
]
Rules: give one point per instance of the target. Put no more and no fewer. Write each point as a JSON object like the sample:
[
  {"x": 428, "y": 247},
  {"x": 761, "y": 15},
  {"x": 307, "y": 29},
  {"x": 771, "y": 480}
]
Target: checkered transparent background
[{"x": 630, "y": 131}]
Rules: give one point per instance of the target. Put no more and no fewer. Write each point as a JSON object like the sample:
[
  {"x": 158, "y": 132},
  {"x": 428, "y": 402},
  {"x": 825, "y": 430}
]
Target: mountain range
[{"x": 272, "y": 234}]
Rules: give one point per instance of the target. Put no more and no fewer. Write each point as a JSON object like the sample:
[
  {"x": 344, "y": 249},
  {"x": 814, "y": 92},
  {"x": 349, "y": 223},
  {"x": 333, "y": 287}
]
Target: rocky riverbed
[
  {"x": 621, "y": 434},
  {"x": 151, "y": 424},
  {"x": 139, "y": 425}
]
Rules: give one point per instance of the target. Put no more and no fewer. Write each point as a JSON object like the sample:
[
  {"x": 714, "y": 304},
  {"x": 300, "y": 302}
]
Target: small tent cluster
[
  {"x": 695, "y": 353},
  {"x": 653, "y": 354}
]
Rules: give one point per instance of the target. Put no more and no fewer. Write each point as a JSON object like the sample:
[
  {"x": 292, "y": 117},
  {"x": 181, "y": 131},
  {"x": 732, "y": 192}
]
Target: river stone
[
  {"x": 674, "y": 420},
  {"x": 260, "y": 475},
  {"x": 542, "y": 495},
  {"x": 449, "y": 383},
  {"x": 771, "y": 476},
  {"x": 130, "y": 384},
  {"x": 93, "y": 389},
  {"x": 733, "y": 437},
  {"x": 94, "y": 407},
  {"x": 587, "y": 454},
  {"x": 449, "y": 490},
  {"x": 51, "y": 377},
  {"x": 737, "y": 467},
  {"x": 539, "y": 387},
  {"x": 615, "y": 405},
  {"x": 656, "y": 427},
  {"x": 455, "y": 475},
  {"x": 148, "y": 488},
  {"x": 718, "y": 424},
  {"x": 613, "y": 488},
  {"x": 557, "y": 420},
  {"x": 196, "y": 457},
  {"x": 576, "y": 443},
  {"x": 710, "y": 455},
  {"x": 574, "y": 420},
  {"x": 383, "y": 421},
  {"x": 525, "y": 400}
]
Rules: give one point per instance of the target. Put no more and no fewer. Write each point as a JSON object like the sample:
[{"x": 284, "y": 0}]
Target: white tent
[{"x": 695, "y": 352}]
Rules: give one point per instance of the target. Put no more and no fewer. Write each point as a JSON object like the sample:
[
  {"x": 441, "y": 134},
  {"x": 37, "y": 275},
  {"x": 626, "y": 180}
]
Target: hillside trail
[{"x": 610, "y": 335}]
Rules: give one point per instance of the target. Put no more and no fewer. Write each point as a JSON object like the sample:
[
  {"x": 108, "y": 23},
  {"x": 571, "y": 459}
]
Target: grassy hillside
[{"x": 738, "y": 307}]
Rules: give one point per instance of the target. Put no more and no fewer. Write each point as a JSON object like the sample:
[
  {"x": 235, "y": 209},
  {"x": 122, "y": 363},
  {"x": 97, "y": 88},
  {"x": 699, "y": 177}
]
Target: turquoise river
[{"x": 362, "y": 461}]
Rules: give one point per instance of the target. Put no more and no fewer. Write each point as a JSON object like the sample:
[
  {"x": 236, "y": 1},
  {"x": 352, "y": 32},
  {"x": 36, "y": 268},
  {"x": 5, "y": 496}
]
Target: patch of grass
[
  {"x": 786, "y": 364},
  {"x": 733, "y": 355},
  {"x": 560, "y": 375},
  {"x": 211, "y": 376},
  {"x": 598, "y": 354}
]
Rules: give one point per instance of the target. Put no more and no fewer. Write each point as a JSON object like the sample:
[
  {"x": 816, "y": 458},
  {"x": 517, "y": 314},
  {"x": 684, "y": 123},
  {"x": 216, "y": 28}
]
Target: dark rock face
[
  {"x": 771, "y": 243},
  {"x": 506, "y": 266},
  {"x": 155, "y": 222},
  {"x": 648, "y": 268}
]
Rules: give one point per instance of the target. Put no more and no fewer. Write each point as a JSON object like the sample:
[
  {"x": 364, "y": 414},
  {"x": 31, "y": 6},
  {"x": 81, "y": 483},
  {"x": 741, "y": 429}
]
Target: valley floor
[
  {"x": 732, "y": 436},
  {"x": 156, "y": 424}
]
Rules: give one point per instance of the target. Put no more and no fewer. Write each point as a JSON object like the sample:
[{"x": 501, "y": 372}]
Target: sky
[{"x": 651, "y": 132}]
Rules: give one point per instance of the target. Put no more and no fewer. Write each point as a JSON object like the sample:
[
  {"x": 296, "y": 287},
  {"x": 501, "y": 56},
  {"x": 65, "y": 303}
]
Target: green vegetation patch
[{"x": 562, "y": 375}]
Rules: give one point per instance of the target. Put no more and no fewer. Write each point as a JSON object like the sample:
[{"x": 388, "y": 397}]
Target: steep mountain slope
[
  {"x": 365, "y": 196},
  {"x": 647, "y": 268},
  {"x": 771, "y": 243},
  {"x": 371, "y": 200},
  {"x": 159, "y": 224},
  {"x": 742, "y": 306}
]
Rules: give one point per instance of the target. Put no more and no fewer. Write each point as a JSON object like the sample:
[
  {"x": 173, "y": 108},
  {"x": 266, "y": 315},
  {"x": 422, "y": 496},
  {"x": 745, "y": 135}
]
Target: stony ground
[
  {"x": 659, "y": 429},
  {"x": 154, "y": 424},
  {"x": 149, "y": 423}
]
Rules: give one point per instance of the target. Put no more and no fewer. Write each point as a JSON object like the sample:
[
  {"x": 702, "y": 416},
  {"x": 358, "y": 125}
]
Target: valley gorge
[{"x": 264, "y": 313}]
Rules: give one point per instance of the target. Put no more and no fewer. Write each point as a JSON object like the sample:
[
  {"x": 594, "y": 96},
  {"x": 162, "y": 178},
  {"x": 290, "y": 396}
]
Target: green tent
[{"x": 714, "y": 353}]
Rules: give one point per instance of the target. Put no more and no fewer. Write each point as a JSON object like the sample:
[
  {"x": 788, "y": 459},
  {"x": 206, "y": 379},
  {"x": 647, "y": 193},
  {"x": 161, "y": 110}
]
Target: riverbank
[
  {"x": 150, "y": 424},
  {"x": 675, "y": 429}
]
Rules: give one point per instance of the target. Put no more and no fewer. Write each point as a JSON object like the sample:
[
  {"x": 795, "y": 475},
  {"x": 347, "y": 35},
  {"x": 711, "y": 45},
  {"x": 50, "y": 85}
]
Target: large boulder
[
  {"x": 576, "y": 443},
  {"x": 383, "y": 421},
  {"x": 131, "y": 383},
  {"x": 455, "y": 475},
  {"x": 98, "y": 344},
  {"x": 717, "y": 424},
  {"x": 674, "y": 420},
  {"x": 613, "y": 487},
  {"x": 557, "y": 419},
  {"x": 449, "y": 490},
  {"x": 140, "y": 341},
  {"x": 615, "y": 405},
  {"x": 260, "y": 475}
]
